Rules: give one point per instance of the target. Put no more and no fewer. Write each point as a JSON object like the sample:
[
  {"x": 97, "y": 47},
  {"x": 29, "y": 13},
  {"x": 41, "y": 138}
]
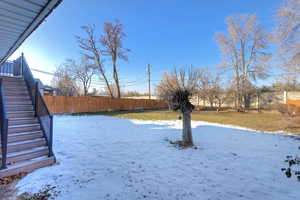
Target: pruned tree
[
  {"x": 177, "y": 88},
  {"x": 245, "y": 51},
  {"x": 64, "y": 82},
  {"x": 113, "y": 46},
  {"x": 287, "y": 36},
  {"x": 90, "y": 46},
  {"x": 82, "y": 72}
]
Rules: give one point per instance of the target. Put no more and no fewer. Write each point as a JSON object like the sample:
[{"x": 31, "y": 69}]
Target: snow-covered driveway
[{"x": 110, "y": 158}]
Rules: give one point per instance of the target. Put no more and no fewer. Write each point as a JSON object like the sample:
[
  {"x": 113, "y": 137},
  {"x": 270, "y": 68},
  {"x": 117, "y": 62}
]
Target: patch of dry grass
[{"x": 263, "y": 121}]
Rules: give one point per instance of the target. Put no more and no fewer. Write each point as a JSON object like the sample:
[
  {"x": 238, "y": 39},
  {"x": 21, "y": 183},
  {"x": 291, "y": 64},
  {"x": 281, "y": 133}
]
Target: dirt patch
[{"x": 9, "y": 191}]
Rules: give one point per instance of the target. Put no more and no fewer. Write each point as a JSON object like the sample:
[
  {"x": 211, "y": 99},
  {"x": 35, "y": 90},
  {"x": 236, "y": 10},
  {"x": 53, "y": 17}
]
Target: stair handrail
[
  {"x": 41, "y": 109},
  {"x": 40, "y": 104},
  {"x": 4, "y": 127}
]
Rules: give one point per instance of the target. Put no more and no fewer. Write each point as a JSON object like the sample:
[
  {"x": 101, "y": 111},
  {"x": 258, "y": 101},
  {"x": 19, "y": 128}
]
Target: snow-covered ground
[{"x": 110, "y": 158}]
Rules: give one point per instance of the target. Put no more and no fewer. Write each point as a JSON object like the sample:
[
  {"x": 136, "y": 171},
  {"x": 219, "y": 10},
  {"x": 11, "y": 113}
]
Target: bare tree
[
  {"x": 216, "y": 93},
  {"x": 93, "y": 52},
  {"x": 64, "y": 82},
  {"x": 113, "y": 47},
  {"x": 210, "y": 88},
  {"x": 82, "y": 72},
  {"x": 203, "y": 85},
  {"x": 224, "y": 95},
  {"x": 244, "y": 49},
  {"x": 177, "y": 88},
  {"x": 113, "y": 90},
  {"x": 287, "y": 36}
]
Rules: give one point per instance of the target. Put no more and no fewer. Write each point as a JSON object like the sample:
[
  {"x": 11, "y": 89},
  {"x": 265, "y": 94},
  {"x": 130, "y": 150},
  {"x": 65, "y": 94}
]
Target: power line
[
  {"x": 44, "y": 72},
  {"x": 101, "y": 83}
]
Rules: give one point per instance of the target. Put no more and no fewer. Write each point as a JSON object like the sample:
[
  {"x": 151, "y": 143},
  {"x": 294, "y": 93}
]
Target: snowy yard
[{"x": 110, "y": 158}]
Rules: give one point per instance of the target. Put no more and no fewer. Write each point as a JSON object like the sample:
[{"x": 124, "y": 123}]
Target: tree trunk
[
  {"x": 85, "y": 91},
  {"x": 103, "y": 75},
  {"x": 187, "y": 128},
  {"x": 220, "y": 104},
  {"x": 116, "y": 77}
]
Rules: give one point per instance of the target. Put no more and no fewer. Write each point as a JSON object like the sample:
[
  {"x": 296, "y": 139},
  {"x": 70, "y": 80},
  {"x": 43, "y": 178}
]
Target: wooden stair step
[
  {"x": 15, "y": 89},
  {"x": 13, "y": 80},
  {"x": 23, "y": 128},
  {"x": 7, "y": 79},
  {"x": 20, "y": 121},
  {"x": 20, "y": 114},
  {"x": 15, "y": 84},
  {"x": 13, "y": 104},
  {"x": 27, "y": 166},
  {"x": 18, "y": 102},
  {"x": 16, "y": 93},
  {"x": 6, "y": 97},
  {"x": 9, "y": 97},
  {"x": 16, "y": 137},
  {"x": 25, "y": 145},
  {"x": 19, "y": 108},
  {"x": 27, "y": 155}
]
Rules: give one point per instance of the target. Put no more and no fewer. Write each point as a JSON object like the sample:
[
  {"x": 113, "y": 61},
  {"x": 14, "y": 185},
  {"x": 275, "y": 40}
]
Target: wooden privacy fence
[
  {"x": 295, "y": 102},
  {"x": 62, "y": 104}
]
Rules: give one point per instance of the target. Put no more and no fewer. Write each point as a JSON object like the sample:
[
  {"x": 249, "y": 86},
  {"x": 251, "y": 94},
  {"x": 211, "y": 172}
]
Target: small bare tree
[
  {"x": 93, "y": 52},
  {"x": 64, "y": 82},
  {"x": 287, "y": 36},
  {"x": 203, "y": 85},
  {"x": 177, "y": 88},
  {"x": 113, "y": 47},
  {"x": 82, "y": 72},
  {"x": 244, "y": 49}
]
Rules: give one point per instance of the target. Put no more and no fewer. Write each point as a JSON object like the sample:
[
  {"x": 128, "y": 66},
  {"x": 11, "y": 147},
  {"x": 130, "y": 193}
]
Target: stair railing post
[
  {"x": 36, "y": 98},
  {"x": 22, "y": 68},
  {"x": 4, "y": 127},
  {"x": 50, "y": 142},
  {"x": 4, "y": 143}
]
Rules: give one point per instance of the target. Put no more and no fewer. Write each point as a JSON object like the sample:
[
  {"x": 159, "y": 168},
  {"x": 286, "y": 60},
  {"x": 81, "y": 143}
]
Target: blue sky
[{"x": 163, "y": 33}]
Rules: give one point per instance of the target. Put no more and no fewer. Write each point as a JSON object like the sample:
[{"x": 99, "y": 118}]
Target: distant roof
[{"x": 18, "y": 19}]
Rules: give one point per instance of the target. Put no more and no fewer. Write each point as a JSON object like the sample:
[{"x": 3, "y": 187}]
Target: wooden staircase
[{"x": 27, "y": 147}]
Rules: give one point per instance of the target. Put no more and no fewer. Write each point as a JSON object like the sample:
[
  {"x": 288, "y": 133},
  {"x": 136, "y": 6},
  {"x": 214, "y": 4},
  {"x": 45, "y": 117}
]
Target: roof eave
[{"x": 48, "y": 8}]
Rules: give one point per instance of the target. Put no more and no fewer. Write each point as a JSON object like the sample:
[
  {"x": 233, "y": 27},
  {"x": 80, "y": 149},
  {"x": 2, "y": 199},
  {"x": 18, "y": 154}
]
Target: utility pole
[{"x": 149, "y": 79}]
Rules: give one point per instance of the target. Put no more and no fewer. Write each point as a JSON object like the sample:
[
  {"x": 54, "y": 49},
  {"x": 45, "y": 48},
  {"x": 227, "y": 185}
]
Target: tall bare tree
[
  {"x": 287, "y": 35},
  {"x": 177, "y": 88},
  {"x": 93, "y": 52},
  {"x": 245, "y": 51},
  {"x": 82, "y": 72},
  {"x": 113, "y": 46}
]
